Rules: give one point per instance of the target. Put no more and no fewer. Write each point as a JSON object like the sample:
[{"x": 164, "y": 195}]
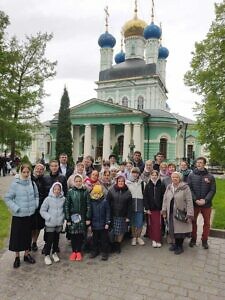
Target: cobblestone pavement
[{"x": 139, "y": 272}]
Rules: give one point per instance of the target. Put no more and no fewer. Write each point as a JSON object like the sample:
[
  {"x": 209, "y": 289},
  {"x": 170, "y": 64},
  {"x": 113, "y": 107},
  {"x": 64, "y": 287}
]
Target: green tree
[
  {"x": 22, "y": 78},
  {"x": 63, "y": 133},
  {"x": 207, "y": 78}
]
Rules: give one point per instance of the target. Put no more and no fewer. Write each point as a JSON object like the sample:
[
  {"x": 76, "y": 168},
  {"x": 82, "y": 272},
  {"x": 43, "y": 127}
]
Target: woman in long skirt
[
  {"x": 22, "y": 199},
  {"x": 153, "y": 198}
]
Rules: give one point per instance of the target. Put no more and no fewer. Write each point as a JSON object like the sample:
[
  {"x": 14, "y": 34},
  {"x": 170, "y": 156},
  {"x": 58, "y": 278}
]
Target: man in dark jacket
[
  {"x": 203, "y": 188},
  {"x": 137, "y": 161},
  {"x": 159, "y": 158}
]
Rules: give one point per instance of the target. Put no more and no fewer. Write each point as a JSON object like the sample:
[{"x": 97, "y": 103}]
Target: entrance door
[{"x": 99, "y": 150}]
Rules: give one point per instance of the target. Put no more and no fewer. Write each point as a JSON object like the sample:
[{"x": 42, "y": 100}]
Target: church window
[
  {"x": 48, "y": 147},
  {"x": 120, "y": 145},
  {"x": 190, "y": 152},
  {"x": 140, "y": 103},
  {"x": 110, "y": 100},
  {"x": 163, "y": 146},
  {"x": 125, "y": 101}
]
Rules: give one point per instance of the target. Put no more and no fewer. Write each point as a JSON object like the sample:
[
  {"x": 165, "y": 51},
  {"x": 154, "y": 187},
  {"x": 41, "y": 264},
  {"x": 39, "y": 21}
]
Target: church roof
[
  {"x": 129, "y": 68},
  {"x": 183, "y": 119},
  {"x": 97, "y": 108},
  {"x": 159, "y": 113}
]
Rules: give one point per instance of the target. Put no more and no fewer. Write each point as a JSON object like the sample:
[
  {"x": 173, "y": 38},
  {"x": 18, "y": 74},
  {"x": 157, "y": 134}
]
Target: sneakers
[
  {"x": 134, "y": 242},
  {"x": 154, "y": 244},
  {"x": 16, "y": 263},
  {"x": 29, "y": 259},
  {"x": 205, "y": 244},
  {"x": 79, "y": 256},
  {"x": 140, "y": 241},
  {"x": 34, "y": 247},
  {"x": 48, "y": 260},
  {"x": 55, "y": 257},
  {"x": 73, "y": 256},
  {"x": 158, "y": 245},
  {"x": 192, "y": 243}
]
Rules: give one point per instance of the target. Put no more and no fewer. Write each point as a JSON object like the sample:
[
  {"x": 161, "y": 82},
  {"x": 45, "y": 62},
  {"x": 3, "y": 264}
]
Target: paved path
[{"x": 137, "y": 273}]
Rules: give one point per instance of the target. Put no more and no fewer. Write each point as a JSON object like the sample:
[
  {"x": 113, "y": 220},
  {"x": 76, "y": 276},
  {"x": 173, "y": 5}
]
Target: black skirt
[
  {"x": 21, "y": 231},
  {"x": 38, "y": 222}
]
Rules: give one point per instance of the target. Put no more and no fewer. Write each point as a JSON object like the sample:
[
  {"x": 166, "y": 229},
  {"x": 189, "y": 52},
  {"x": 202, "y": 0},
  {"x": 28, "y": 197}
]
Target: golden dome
[{"x": 134, "y": 27}]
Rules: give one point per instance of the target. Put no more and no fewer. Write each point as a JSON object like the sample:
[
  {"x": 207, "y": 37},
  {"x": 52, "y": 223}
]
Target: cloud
[{"x": 76, "y": 26}]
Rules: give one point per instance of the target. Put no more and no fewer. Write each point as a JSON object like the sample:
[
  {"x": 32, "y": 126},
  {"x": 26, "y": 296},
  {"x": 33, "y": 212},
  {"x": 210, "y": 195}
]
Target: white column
[
  {"x": 126, "y": 141},
  {"x": 106, "y": 141},
  {"x": 137, "y": 136},
  {"x": 87, "y": 140}
]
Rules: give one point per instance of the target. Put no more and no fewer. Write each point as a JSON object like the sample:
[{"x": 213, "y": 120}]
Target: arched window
[
  {"x": 140, "y": 102},
  {"x": 163, "y": 146},
  {"x": 110, "y": 100},
  {"x": 125, "y": 101}
]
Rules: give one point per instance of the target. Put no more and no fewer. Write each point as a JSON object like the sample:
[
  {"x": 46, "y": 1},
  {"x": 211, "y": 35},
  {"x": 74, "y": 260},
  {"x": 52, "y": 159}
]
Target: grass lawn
[
  {"x": 5, "y": 218},
  {"x": 219, "y": 205}
]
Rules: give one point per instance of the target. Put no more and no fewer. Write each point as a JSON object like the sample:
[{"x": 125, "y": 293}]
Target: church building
[{"x": 130, "y": 111}]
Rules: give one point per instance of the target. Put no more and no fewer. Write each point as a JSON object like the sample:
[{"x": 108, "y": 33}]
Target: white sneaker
[
  {"x": 140, "y": 241},
  {"x": 133, "y": 242},
  {"x": 154, "y": 244},
  {"x": 48, "y": 260},
  {"x": 55, "y": 257},
  {"x": 159, "y": 245}
]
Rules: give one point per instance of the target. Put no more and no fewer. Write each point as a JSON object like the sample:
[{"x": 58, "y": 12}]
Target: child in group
[
  {"x": 100, "y": 221},
  {"x": 52, "y": 210},
  {"x": 77, "y": 215},
  {"x": 122, "y": 169},
  {"x": 153, "y": 199}
]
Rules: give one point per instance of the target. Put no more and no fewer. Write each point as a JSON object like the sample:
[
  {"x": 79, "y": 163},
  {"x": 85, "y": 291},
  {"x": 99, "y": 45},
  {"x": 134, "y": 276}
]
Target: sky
[{"x": 77, "y": 25}]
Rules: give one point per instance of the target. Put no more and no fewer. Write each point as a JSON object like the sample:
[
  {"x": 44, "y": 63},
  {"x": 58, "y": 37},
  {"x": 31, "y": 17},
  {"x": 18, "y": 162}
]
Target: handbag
[{"x": 181, "y": 215}]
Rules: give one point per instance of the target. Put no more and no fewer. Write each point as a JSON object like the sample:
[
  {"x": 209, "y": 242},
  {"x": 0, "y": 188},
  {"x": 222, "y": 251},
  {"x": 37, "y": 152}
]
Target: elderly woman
[
  {"x": 120, "y": 200},
  {"x": 177, "y": 208}
]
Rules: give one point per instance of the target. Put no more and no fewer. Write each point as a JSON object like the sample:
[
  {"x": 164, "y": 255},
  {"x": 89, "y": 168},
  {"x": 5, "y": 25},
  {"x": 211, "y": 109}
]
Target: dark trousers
[
  {"x": 52, "y": 242},
  {"x": 206, "y": 213},
  {"x": 179, "y": 243},
  {"x": 100, "y": 240},
  {"x": 77, "y": 241}
]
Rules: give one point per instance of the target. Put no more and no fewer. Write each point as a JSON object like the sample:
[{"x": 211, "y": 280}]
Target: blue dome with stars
[
  {"x": 106, "y": 40},
  {"x": 119, "y": 57},
  {"x": 163, "y": 52},
  {"x": 152, "y": 31}
]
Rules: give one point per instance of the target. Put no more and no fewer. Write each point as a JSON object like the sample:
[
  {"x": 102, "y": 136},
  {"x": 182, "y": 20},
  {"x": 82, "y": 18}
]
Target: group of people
[
  {"x": 101, "y": 206},
  {"x": 6, "y": 165}
]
